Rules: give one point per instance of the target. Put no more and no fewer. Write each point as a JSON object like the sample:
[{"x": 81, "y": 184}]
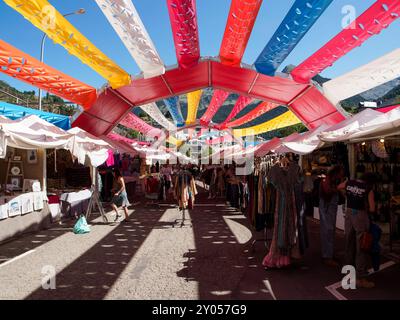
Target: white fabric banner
[
  {"x": 364, "y": 78},
  {"x": 154, "y": 111},
  {"x": 125, "y": 20}
]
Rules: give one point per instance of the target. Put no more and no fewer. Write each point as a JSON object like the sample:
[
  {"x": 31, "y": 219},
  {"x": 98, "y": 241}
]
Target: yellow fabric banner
[
  {"x": 193, "y": 100},
  {"x": 46, "y": 18},
  {"x": 174, "y": 141},
  {"x": 284, "y": 120}
]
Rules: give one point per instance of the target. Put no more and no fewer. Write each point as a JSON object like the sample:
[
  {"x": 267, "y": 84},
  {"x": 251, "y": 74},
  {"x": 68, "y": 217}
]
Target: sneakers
[
  {"x": 364, "y": 283},
  {"x": 331, "y": 263}
]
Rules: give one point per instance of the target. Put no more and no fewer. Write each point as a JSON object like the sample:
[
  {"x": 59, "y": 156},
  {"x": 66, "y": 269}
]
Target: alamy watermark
[{"x": 48, "y": 277}]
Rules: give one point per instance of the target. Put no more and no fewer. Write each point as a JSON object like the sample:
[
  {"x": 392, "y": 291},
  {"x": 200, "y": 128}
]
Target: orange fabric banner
[
  {"x": 22, "y": 66},
  {"x": 46, "y": 18}
]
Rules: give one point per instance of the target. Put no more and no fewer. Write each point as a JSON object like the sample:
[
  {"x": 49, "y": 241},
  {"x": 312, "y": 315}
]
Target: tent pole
[{"x": 44, "y": 181}]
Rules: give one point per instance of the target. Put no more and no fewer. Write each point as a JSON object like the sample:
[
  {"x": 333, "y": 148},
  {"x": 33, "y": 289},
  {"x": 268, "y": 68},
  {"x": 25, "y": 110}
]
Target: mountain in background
[{"x": 50, "y": 103}]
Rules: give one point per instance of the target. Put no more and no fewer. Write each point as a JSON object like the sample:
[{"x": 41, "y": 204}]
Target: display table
[
  {"x": 54, "y": 205},
  {"x": 74, "y": 204}
]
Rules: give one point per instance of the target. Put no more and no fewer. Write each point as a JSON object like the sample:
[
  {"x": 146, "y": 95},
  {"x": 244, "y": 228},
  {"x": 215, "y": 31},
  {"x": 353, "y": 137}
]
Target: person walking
[
  {"x": 360, "y": 204},
  {"x": 120, "y": 198},
  {"x": 328, "y": 207}
]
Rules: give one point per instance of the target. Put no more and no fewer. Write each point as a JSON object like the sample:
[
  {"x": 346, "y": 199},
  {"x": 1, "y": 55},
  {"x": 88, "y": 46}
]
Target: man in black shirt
[{"x": 360, "y": 201}]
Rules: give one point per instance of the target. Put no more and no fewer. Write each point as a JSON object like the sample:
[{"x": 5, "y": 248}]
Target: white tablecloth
[{"x": 75, "y": 203}]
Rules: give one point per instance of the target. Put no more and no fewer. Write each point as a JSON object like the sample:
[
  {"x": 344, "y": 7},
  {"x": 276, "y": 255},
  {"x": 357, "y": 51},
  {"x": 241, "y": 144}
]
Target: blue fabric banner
[
  {"x": 15, "y": 112},
  {"x": 298, "y": 21},
  {"x": 174, "y": 109}
]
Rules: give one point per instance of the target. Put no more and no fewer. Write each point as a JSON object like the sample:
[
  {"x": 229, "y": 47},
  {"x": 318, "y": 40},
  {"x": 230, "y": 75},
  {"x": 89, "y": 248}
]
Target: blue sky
[{"x": 212, "y": 15}]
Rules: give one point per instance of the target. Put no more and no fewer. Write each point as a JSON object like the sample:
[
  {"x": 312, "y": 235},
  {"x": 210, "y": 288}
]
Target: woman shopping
[
  {"x": 120, "y": 198},
  {"x": 328, "y": 207}
]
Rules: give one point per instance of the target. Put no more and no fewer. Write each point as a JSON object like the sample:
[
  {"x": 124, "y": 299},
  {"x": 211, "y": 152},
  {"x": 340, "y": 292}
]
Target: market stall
[
  {"x": 23, "y": 143},
  {"x": 26, "y": 146}
]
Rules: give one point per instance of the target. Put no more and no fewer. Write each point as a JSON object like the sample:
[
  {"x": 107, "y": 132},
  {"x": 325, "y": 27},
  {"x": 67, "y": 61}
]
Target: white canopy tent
[
  {"x": 31, "y": 132},
  {"x": 85, "y": 144},
  {"x": 366, "y": 124},
  {"x": 343, "y": 130}
]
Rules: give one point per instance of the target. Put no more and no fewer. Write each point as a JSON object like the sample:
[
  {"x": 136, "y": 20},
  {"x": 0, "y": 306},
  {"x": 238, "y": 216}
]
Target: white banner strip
[
  {"x": 364, "y": 78},
  {"x": 154, "y": 111},
  {"x": 126, "y": 22}
]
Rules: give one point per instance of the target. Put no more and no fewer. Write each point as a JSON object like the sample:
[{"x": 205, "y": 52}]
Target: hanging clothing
[
  {"x": 285, "y": 243},
  {"x": 110, "y": 159}
]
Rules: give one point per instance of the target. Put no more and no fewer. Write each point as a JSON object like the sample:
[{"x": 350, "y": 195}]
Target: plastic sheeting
[
  {"x": 126, "y": 22},
  {"x": 241, "y": 103},
  {"x": 46, "y": 18},
  {"x": 376, "y": 18},
  {"x": 183, "y": 19},
  {"x": 217, "y": 100},
  {"x": 15, "y": 112},
  {"x": 258, "y": 111},
  {"x": 314, "y": 109},
  {"x": 154, "y": 112},
  {"x": 22, "y": 66},
  {"x": 193, "y": 99},
  {"x": 364, "y": 78},
  {"x": 284, "y": 120},
  {"x": 241, "y": 18},
  {"x": 174, "y": 109},
  {"x": 298, "y": 21}
]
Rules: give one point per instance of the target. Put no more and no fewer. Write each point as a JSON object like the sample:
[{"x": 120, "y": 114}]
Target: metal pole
[
  {"x": 41, "y": 60},
  {"x": 80, "y": 11}
]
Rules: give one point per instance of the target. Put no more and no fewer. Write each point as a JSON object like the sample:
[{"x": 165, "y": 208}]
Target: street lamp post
[{"x": 80, "y": 11}]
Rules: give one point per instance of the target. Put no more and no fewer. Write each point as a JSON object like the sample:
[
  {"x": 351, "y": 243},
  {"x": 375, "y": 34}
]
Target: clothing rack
[{"x": 262, "y": 166}]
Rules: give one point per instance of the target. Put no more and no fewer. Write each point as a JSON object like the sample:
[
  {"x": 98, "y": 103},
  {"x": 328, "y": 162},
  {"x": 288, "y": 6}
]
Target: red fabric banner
[
  {"x": 183, "y": 17},
  {"x": 217, "y": 100},
  {"x": 241, "y": 103},
  {"x": 134, "y": 122},
  {"x": 313, "y": 109},
  {"x": 376, "y": 18},
  {"x": 242, "y": 16},
  {"x": 258, "y": 111},
  {"x": 117, "y": 137},
  {"x": 22, "y": 66}
]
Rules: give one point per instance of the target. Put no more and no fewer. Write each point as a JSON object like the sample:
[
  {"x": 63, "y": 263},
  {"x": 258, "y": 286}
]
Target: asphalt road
[{"x": 152, "y": 257}]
